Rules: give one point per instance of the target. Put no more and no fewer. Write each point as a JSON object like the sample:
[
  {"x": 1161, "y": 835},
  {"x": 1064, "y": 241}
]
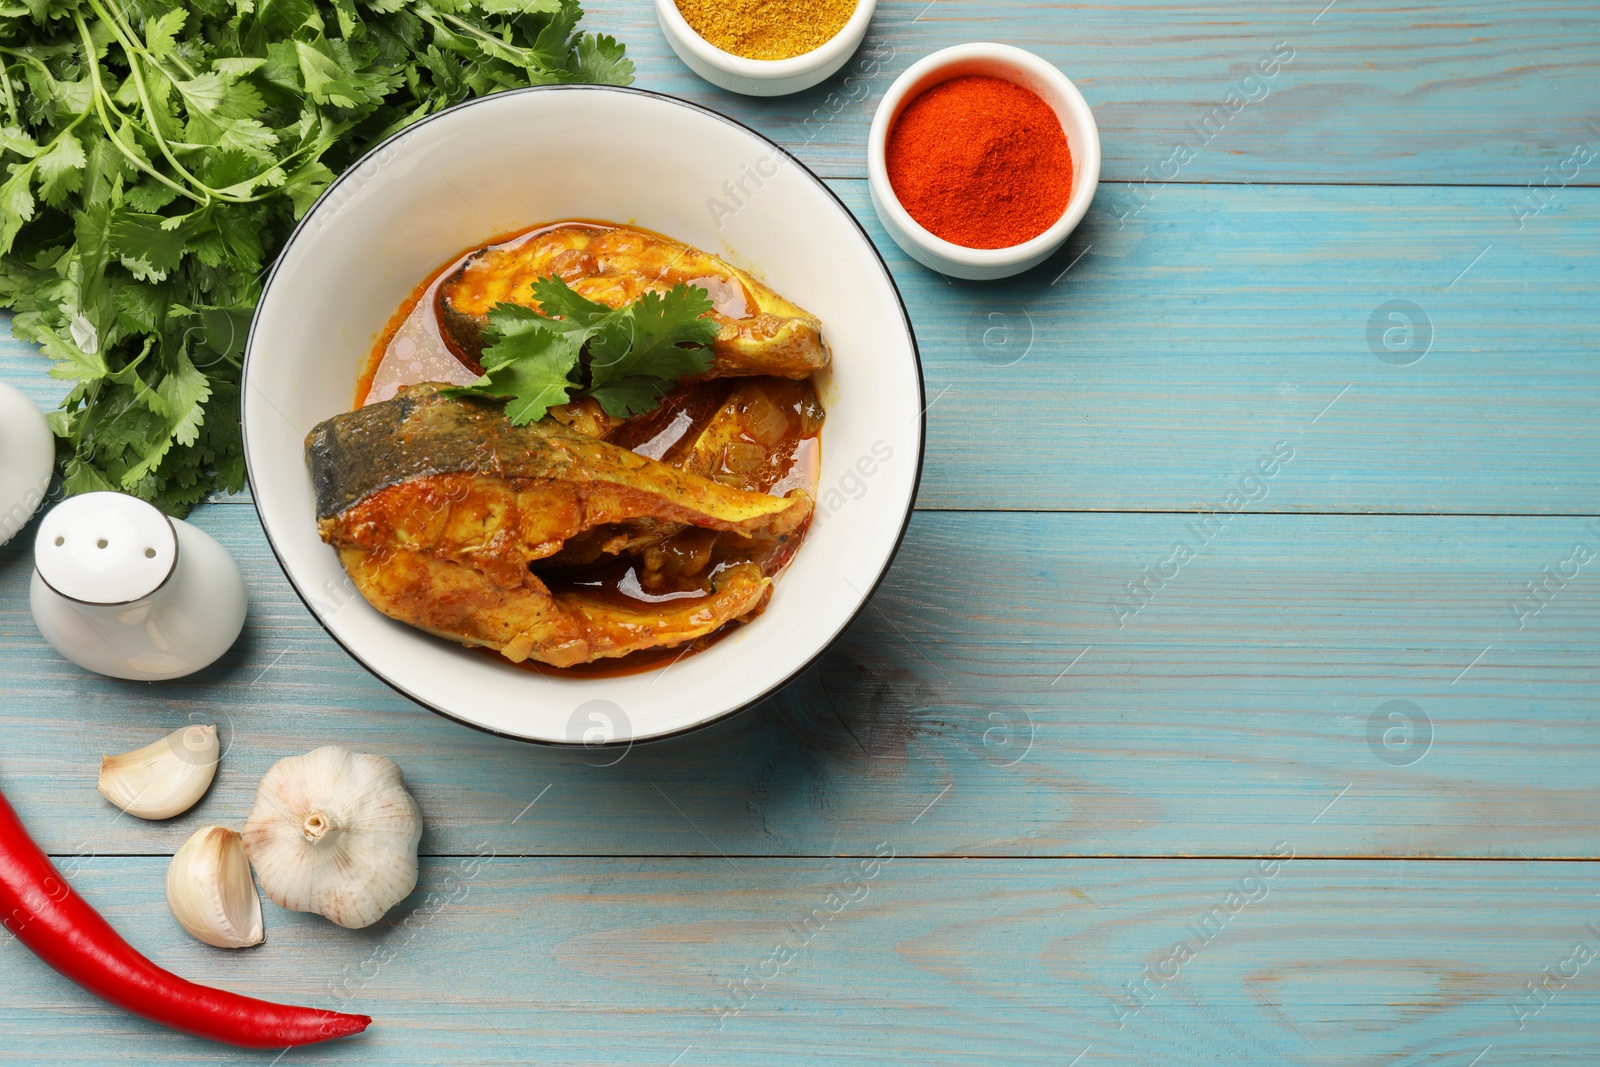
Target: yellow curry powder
[{"x": 767, "y": 29}]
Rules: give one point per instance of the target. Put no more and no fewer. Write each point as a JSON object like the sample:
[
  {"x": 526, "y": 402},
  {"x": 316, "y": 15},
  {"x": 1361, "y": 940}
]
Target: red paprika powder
[{"x": 980, "y": 162}]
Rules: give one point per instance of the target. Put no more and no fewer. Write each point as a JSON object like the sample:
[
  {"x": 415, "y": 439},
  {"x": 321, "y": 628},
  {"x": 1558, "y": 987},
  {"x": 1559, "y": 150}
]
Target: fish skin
[
  {"x": 437, "y": 506},
  {"x": 420, "y": 433}
]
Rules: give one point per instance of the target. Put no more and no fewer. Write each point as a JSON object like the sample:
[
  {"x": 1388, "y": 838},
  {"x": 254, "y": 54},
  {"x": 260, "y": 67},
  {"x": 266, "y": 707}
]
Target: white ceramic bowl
[
  {"x": 1022, "y": 68},
  {"x": 762, "y": 77},
  {"x": 504, "y": 162}
]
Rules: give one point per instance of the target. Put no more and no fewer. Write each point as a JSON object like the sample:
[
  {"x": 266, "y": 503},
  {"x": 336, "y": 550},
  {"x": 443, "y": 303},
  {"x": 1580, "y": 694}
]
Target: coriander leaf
[
  {"x": 82, "y": 477},
  {"x": 658, "y": 326},
  {"x": 280, "y": 74},
  {"x": 350, "y": 24},
  {"x": 553, "y": 46},
  {"x": 218, "y": 95},
  {"x": 203, "y": 92},
  {"x": 247, "y": 137},
  {"x": 16, "y": 203},
  {"x": 140, "y": 308},
  {"x": 222, "y": 331},
  {"x": 284, "y": 17},
  {"x": 557, "y": 298},
  {"x": 22, "y": 284},
  {"x": 86, "y": 300},
  {"x": 72, "y": 98},
  {"x": 185, "y": 391},
  {"x": 145, "y": 246},
  {"x": 583, "y": 321},
  {"x": 530, "y": 365},
  {"x": 60, "y": 169},
  {"x": 234, "y": 173},
  {"x": 161, "y": 33},
  {"x": 327, "y": 82},
  {"x": 150, "y": 196},
  {"x": 233, "y": 67},
  {"x": 603, "y": 60},
  {"x": 71, "y": 360},
  {"x": 241, "y": 237},
  {"x": 607, "y": 331},
  {"x": 635, "y": 353},
  {"x": 509, "y": 320},
  {"x": 12, "y": 139},
  {"x": 623, "y": 398},
  {"x": 305, "y": 184}
]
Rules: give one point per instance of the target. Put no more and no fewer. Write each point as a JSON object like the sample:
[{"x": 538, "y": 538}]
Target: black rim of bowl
[{"x": 905, "y": 522}]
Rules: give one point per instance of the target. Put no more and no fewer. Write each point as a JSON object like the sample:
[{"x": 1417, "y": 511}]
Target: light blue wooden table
[{"x": 1072, "y": 779}]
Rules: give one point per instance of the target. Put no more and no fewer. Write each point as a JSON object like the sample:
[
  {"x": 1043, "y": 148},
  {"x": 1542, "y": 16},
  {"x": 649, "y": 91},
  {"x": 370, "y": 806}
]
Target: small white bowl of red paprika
[{"x": 981, "y": 160}]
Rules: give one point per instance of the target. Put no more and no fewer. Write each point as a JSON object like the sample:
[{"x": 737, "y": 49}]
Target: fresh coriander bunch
[{"x": 153, "y": 159}]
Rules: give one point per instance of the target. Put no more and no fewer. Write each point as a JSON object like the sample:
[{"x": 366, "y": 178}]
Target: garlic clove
[
  {"x": 335, "y": 832},
  {"x": 164, "y": 778},
  {"x": 210, "y": 891}
]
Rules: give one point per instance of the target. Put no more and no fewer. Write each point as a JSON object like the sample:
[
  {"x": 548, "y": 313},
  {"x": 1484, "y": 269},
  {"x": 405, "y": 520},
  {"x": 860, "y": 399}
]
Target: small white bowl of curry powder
[{"x": 765, "y": 47}]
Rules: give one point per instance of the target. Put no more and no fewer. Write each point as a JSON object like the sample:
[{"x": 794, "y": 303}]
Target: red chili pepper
[{"x": 48, "y": 916}]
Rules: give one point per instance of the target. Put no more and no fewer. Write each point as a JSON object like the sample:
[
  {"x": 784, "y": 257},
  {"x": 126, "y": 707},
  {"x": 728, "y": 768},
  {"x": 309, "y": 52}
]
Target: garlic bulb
[
  {"x": 335, "y": 832},
  {"x": 164, "y": 778},
  {"x": 210, "y": 892}
]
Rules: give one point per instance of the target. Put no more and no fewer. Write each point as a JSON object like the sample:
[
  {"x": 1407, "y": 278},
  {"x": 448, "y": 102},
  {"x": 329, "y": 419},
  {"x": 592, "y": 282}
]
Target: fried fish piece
[
  {"x": 761, "y": 332},
  {"x": 437, "y": 507},
  {"x": 529, "y": 622}
]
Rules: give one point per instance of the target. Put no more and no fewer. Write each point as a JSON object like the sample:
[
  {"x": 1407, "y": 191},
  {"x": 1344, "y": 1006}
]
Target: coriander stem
[
  {"x": 100, "y": 98},
  {"x": 133, "y": 51},
  {"x": 125, "y": 34},
  {"x": 481, "y": 35},
  {"x": 5, "y": 87},
  {"x": 155, "y": 128},
  {"x": 469, "y": 27}
]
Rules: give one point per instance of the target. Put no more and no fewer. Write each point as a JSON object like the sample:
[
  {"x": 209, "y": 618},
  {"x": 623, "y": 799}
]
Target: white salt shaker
[
  {"x": 27, "y": 454},
  {"x": 121, "y": 589}
]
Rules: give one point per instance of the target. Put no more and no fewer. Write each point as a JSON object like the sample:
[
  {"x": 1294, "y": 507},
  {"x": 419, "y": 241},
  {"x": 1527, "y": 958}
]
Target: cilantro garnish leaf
[
  {"x": 529, "y": 365},
  {"x": 634, "y": 353},
  {"x": 626, "y": 397},
  {"x": 655, "y": 356},
  {"x": 557, "y": 298},
  {"x": 154, "y": 158}
]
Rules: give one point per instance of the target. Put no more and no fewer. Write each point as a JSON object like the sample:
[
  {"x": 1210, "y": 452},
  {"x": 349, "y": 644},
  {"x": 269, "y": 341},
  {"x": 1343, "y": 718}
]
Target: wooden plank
[
  {"x": 1189, "y": 340},
  {"x": 1152, "y": 363},
  {"x": 1251, "y": 692},
  {"x": 610, "y": 961},
  {"x": 1422, "y": 93}
]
